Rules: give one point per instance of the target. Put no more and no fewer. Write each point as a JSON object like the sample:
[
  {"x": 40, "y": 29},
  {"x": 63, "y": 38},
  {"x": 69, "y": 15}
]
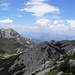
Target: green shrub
[{"x": 64, "y": 66}]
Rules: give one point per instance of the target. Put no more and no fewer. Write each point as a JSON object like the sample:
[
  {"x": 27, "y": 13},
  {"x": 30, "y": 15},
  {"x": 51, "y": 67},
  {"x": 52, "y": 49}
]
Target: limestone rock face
[
  {"x": 8, "y": 33},
  {"x": 12, "y": 34}
]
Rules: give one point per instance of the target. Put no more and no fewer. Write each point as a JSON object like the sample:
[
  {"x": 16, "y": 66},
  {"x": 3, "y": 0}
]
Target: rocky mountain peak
[
  {"x": 12, "y": 42},
  {"x": 9, "y": 33}
]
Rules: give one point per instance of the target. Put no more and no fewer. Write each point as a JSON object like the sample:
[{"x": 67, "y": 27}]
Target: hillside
[
  {"x": 11, "y": 42},
  {"x": 47, "y": 58}
]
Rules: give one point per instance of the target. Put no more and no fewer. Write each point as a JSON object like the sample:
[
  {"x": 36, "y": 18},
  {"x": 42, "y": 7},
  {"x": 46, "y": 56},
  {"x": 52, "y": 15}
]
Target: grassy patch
[{"x": 3, "y": 56}]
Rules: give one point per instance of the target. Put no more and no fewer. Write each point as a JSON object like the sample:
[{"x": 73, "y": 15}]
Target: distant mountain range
[
  {"x": 46, "y": 36},
  {"x": 36, "y": 40}
]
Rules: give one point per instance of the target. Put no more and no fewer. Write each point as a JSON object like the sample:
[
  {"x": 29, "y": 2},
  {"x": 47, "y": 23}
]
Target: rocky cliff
[
  {"x": 9, "y": 33},
  {"x": 12, "y": 34}
]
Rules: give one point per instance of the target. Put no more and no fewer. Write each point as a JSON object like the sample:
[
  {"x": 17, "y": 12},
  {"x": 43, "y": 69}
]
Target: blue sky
[{"x": 41, "y": 19}]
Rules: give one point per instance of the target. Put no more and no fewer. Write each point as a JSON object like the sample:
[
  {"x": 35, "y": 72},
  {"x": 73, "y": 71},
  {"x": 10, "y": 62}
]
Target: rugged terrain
[
  {"x": 46, "y": 58},
  {"x": 11, "y": 42}
]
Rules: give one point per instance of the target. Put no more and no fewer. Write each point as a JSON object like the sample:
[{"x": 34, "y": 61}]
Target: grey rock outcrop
[
  {"x": 8, "y": 33},
  {"x": 66, "y": 46},
  {"x": 71, "y": 63},
  {"x": 12, "y": 34}
]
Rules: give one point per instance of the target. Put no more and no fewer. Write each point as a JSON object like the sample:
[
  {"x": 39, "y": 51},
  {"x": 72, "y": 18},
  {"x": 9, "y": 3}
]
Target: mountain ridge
[{"x": 40, "y": 57}]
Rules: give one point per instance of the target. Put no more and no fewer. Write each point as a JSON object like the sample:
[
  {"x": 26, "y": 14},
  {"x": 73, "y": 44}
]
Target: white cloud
[
  {"x": 43, "y": 22},
  {"x": 71, "y": 23},
  {"x": 6, "y": 21},
  {"x": 58, "y": 21},
  {"x": 44, "y": 26},
  {"x": 4, "y": 6},
  {"x": 54, "y": 25},
  {"x": 59, "y": 27},
  {"x": 39, "y": 8},
  {"x": 36, "y": 1}
]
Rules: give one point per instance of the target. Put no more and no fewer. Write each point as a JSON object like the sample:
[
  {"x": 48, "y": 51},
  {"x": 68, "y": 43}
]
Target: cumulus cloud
[
  {"x": 4, "y": 6},
  {"x": 43, "y": 22},
  {"x": 45, "y": 26},
  {"x": 58, "y": 21},
  {"x": 36, "y": 1},
  {"x": 39, "y": 8},
  {"x": 6, "y": 21},
  {"x": 71, "y": 23},
  {"x": 59, "y": 27},
  {"x": 42, "y": 25},
  {"x": 55, "y": 25}
]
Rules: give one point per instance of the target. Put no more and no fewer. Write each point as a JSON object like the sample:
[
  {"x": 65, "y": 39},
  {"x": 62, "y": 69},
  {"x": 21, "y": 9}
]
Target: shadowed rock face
[
  {"x": 5, "y": 65},
  {"x": 36, "y": 58},
  {"x": 66, "y": 46}
]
